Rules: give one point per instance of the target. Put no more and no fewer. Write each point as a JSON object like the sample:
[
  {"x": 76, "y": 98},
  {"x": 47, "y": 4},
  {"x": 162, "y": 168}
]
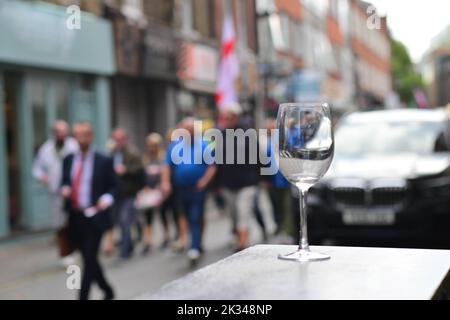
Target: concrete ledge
[{"x": 351, "y": 274}]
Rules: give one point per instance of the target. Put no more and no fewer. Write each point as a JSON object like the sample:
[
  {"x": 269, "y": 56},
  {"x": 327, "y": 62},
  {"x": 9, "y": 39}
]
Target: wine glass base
[{"x": 304, "y": 256}]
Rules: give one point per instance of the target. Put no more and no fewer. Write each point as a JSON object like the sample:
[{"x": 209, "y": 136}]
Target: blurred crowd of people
[{"x": 119, "y": 195}]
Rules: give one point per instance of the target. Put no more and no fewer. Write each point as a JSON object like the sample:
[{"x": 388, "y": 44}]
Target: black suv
[{"x": 389, "y": 183}]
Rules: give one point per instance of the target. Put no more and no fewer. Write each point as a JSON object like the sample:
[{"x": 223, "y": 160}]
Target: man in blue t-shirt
[{"x": 191, "y": 174}]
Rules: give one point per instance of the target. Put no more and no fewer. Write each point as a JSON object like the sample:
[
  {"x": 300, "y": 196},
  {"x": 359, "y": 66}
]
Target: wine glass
[{"x": 304, "y": 152}]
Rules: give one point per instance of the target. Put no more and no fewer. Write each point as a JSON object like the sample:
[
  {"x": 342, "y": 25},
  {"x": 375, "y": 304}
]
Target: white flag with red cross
[{"x": 229, "y": 67}]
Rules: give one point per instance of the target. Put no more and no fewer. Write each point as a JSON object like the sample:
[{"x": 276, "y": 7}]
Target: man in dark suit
[{"x": 89, "y": 188}]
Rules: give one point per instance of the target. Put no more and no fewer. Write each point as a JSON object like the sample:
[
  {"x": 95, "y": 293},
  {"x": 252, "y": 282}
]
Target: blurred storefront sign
[
  {"x": 198, "y": 66},
  {"x": 160, "y": 53},
  {"x": 35, "y": 34},
  {"x": 197, "y": 74}
]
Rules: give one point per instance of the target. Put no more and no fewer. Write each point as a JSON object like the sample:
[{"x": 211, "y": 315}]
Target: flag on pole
[{"x": 229, "y": 66}]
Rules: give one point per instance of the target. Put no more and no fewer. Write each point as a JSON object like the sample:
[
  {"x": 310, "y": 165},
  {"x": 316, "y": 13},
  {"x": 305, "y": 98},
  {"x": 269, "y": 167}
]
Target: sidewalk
[
  {"x": 30, "y": 270},
  {"x": 24, "y": 260}
]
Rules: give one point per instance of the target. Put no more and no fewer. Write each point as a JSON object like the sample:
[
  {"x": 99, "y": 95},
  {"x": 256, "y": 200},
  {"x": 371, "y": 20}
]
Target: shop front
[
  {"x": 145, "y": 85},
  {"x": 46, "y": 73}
]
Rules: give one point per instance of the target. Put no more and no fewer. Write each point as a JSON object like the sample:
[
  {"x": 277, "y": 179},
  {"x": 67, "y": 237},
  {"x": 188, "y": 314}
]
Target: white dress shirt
[{"x": 84, "y": 200}]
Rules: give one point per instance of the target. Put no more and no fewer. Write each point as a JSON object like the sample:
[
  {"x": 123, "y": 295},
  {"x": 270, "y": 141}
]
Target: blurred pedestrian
[
  {"x": 309, "y": 127},
  {"x": 89, "y": 187},
  {"x": 47, "y": 169},
  {"x": 129, "y": 169},
  {"x": 238, "y": 181},
  {"x": 259, "y": 213},
  {"x": 190, "y": 181},
  {"x": 170, "y": 205},
  {"x": 153, "y": 165},
  {"x": 279, "y": 189}
]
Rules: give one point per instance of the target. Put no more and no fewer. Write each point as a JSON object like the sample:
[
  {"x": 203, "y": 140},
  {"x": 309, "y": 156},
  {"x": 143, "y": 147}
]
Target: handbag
[
  {"x": 148, "y": 199},
  {"x": 65, "y": 244}
]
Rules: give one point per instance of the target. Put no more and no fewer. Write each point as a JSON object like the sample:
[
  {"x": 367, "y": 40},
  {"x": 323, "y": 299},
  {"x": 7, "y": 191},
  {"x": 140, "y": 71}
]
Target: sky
[{"x": 415, "y": 22}]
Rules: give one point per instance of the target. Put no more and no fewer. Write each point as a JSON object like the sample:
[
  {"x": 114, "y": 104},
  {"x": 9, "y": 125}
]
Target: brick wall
[
  {"x": 293, "y": 8},
  {"x": 334, "y": 31}
]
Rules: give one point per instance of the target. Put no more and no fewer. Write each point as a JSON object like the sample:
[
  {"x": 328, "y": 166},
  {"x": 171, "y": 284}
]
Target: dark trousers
[
  {"x": 259, "y": 216},
  {"x": 193, "y": 204},
  {"x": 169, "y": 205},
  {"x": 281, "y": 202},
  {"x": 126, "y": 220},
  {"x": 87, "y": 237}
]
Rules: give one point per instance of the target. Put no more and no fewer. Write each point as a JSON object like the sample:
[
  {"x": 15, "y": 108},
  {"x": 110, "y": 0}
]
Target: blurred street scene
[
  {"x": 92, "y": 90},
  {"x": 31, "y": 270}
]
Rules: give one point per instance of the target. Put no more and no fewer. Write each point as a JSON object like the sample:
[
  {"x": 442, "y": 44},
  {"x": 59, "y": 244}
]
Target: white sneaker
[{"x": 193, "y": 254}]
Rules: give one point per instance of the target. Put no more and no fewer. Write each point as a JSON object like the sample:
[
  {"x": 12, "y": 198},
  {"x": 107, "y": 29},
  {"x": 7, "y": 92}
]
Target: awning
[{"x": 36, "y": 34}]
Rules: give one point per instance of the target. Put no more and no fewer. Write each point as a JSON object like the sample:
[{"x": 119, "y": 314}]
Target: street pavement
[{"x": 30, "y": 269}]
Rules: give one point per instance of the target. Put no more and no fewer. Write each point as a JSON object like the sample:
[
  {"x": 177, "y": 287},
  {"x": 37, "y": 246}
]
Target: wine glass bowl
[{"x": 304, "y": 152}]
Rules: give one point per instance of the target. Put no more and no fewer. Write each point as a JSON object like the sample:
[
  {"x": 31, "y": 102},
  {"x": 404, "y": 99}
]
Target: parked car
[{"x": 389, "y": 182}]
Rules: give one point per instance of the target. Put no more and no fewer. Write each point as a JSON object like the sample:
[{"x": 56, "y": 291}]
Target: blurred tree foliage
[{"x": 404, "y": 75}]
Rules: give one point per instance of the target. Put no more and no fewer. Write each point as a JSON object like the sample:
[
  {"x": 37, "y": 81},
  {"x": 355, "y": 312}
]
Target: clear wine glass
[{"x": 304, "y": 152}]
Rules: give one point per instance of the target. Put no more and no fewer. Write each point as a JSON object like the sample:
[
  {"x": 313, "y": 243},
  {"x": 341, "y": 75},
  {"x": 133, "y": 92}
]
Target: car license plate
[{"x": 369, "y": 217}]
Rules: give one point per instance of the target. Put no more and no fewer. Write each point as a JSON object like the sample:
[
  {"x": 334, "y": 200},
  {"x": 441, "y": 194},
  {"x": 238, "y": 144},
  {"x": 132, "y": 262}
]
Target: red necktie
[{"x": 76, "y": 185}]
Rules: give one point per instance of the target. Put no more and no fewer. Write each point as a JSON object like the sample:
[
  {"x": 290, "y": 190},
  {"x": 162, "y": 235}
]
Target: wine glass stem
[{"x": 304, "y": 245}]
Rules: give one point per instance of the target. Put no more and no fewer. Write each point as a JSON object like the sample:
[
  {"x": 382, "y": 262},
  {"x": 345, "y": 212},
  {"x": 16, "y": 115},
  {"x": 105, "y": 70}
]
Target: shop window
[
  {"x": 243, "y": 24},
  {"x": 276, "y": 32},
  {"x": 39, "y": 113},
  {"x": 160, "y": 10},
  {"x": 286, "y": 31},
  {"x": 87, "y": 83},
  {"x": 317, "y": 7},
  {"x": 297, "y": 39},
  {"x": 62, "y": 101},
  {"x": 204, "y": 17},
  {"x": 187, "y": 16},
  {"x": 343, "y": 16},
  {"x": 265, "y": 43},
  {"x": 334, "y": 9}
]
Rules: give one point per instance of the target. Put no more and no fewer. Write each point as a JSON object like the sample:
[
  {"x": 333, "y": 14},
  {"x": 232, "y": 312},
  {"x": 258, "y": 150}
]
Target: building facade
[
  {"x": 143, "y": 89},
  {"x": 435, "y": 69},
  {"x": 323, "y": 50},
  {"x": 372, "y": 49},
  {"x": 140, "y": 65},
  {"x": 168, "y": 55},
  {"x": 46, "y": 73}
]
